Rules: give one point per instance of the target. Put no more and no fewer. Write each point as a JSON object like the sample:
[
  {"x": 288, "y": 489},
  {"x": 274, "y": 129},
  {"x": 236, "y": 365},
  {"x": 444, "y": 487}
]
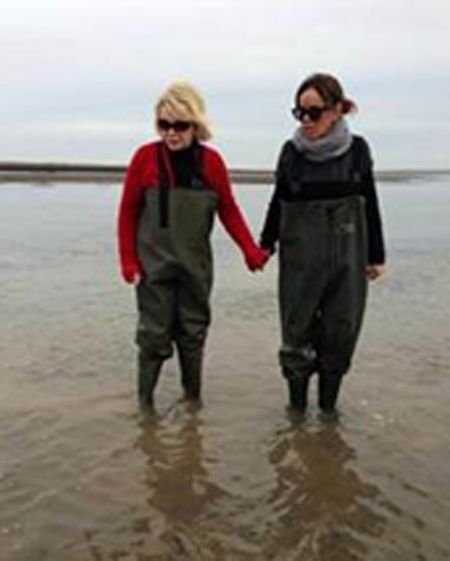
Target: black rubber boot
[
  {"x": 298, "y": 389},
  {"x": 298, "y": 393},
  {"x": 191, "y": 373},
  {"x": 149, "y": 369},
  {"x": 329, "y": 386}
]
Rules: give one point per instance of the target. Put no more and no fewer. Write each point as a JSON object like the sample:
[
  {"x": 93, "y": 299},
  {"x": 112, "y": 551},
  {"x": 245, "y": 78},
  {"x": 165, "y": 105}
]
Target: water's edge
[{"x": 95, "y": 172}]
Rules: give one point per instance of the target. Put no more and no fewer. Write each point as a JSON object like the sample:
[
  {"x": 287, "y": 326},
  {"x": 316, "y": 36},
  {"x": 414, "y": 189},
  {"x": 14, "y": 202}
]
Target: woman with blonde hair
[{"x": 173, "y": 189}]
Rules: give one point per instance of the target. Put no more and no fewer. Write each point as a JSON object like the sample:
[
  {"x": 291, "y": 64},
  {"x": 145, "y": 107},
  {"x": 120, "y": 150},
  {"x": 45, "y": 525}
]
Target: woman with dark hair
[{"x": 324, "y": 215}]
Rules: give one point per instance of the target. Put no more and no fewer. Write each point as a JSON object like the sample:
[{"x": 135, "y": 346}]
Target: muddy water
[{"x": 84, "y": 476}]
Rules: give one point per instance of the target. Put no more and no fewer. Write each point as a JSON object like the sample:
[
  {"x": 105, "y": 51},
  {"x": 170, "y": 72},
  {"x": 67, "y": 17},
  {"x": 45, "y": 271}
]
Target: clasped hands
[{"x": 257, "y": 258}]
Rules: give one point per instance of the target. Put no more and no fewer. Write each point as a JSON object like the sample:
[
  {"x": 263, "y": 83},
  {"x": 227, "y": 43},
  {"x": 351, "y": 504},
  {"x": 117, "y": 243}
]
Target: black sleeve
[
  {"x": 373, "y": 217},
  {"x": 271, "y": 229}
]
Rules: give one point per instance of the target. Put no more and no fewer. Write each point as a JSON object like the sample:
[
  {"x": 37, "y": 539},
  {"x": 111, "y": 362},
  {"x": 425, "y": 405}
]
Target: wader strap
[
  {"x": 298, "y": 158},
  {"x": 357, "y": 160},
  {"x": 164, "y": 187},
  {"x": 198, "y": 181}
]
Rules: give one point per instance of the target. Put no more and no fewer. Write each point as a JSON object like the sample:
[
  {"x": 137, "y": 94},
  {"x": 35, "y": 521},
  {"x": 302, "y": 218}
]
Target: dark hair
[{"x": 329, "y": 89}]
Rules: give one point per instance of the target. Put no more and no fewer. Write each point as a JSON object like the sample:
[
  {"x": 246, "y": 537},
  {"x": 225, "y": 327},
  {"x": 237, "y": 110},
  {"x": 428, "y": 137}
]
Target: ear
[{"x": 338, "y": 110}]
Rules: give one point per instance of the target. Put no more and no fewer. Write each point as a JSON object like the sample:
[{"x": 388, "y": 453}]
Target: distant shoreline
[{"x": 106, "y": 173}]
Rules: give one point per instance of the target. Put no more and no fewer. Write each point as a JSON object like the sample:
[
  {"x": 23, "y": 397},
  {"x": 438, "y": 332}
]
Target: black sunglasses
[
  {"x": 314, "y": 112},
  {"x": 177, "y": 126}
]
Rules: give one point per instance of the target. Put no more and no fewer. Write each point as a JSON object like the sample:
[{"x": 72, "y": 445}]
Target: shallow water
[{"x": 84, "y": 476}]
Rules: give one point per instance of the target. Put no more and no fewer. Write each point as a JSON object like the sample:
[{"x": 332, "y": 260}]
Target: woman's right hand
[
  {"x": 136, "y": 279},
  {"x": 375, "y": 271},
  {"x": 132, "y": 273}
]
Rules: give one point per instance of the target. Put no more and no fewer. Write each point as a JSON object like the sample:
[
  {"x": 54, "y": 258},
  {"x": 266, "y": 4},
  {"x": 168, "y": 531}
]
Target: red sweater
[{"x": 143, "y": 174}]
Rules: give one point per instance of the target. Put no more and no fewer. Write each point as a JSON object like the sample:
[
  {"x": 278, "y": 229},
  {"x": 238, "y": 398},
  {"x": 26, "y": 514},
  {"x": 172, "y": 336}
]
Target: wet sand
[{"x": 84, "y": 476}]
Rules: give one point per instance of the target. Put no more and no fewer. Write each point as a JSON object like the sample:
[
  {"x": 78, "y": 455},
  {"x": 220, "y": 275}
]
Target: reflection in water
[
  {"x": 315, "y": 507},
  {"x": 322, "y": 509},
  {"x": 179, "y": 490},
  {"x": 307, "y": 503}
]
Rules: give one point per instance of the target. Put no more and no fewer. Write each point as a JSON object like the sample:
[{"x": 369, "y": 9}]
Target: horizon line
[{"x": 72, "y": 171}]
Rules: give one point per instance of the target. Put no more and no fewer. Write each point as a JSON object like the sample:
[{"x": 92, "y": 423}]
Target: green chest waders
[
  {"x": 322, "y": 292},
  {"x": 173, "y": 296}
]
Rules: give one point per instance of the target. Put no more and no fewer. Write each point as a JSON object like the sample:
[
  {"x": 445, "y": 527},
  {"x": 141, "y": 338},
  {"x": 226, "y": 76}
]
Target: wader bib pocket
[{"x": 185, "y": 241}]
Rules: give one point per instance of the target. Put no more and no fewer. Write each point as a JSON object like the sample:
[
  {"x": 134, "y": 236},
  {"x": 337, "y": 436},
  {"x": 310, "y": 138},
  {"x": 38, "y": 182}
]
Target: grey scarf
[{"x": 334, "y": 144}]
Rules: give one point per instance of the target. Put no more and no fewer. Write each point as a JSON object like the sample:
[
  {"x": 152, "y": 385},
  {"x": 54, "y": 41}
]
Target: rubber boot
[
  {"x": 298, "y": 389},
  {"x": 149, "y": 369},
  {"x": 329, "y": 386},
  {"x": 191, "y": 373}
]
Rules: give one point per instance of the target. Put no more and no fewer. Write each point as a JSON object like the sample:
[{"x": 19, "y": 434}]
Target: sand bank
[{"x": 107, "y": 173}]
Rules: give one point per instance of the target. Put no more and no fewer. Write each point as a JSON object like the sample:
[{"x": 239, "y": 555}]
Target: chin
[
  {"x": 312, "y": 135},
  {"x": 174, "y": 146},
  {"x": 315, "y": 134}
]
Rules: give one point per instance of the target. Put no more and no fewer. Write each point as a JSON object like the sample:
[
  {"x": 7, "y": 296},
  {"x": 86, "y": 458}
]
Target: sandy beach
[{"x": 85, "y": 477}]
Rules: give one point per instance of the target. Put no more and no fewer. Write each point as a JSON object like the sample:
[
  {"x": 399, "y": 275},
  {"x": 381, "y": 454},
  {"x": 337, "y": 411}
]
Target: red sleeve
[
  {"x": 129, "y": 210},
  {"x": 229, "y": 212}
]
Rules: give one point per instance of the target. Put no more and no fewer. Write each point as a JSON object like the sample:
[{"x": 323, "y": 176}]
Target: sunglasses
[
  {"x": 314, "y": 112},
  {"x": 177, "y": 126}
]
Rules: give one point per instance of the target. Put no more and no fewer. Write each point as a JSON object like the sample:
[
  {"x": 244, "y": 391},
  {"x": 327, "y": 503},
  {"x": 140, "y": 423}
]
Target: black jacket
[{"x": 300, "y": 179}]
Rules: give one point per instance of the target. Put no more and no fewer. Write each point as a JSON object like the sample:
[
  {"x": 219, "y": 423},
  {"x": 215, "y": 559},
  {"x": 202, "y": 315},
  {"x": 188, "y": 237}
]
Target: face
[
  {"x": 314, "y": 129},
  {"x": 174, "y": 131}
]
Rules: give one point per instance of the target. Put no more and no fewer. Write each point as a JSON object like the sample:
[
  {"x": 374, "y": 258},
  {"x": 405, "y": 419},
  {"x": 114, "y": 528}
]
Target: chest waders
[
  {"x": 322, "y": 292},
  {"x": 173, "y": 243}
]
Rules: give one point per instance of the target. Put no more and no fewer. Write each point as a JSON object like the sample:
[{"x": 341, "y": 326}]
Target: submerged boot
[
  {"x": 191, "y": 373},
  {"x": 298, "y": 384},
  {"x": 329, "y": 385},
  {"x": 149, "y": 369}
]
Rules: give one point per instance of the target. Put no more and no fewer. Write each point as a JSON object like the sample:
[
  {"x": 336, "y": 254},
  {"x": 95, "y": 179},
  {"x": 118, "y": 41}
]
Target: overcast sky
[{"x": 79, "y": 78}]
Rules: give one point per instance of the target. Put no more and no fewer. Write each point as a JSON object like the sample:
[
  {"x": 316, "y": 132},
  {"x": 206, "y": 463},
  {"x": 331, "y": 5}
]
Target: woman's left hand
[
  {"x": 257, "y": 258},
  {"x": 375, "y": 271}
]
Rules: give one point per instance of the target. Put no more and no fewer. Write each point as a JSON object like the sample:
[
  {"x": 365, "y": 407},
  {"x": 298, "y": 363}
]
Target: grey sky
[{"x": 79, "y": 78}]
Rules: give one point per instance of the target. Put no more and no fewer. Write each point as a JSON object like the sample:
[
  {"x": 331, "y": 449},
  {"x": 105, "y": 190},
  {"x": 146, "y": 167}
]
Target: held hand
[
  {"x": 257, "y": 259},
  {"x": 266, "y": 255},
  {"x": 375, "y": 271}
]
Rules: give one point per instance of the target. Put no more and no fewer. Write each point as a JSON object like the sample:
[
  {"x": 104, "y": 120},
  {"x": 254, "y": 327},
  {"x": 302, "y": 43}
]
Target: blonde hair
[{"x": 184, "y": 102}]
